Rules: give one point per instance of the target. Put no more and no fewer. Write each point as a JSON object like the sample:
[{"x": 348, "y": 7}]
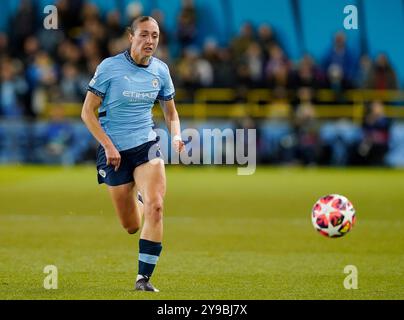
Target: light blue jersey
[{"x": 129, "y": 91}]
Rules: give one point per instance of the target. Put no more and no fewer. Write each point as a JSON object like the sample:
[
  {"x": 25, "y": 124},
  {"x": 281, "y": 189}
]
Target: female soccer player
[{"x": 124, "y": 89}]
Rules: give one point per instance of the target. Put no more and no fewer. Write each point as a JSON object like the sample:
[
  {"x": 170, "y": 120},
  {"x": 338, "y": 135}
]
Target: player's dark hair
[{"x": 138, "y": 20}]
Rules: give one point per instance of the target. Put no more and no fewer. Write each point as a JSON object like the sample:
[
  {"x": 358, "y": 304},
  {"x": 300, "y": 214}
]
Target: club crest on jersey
[{"x": 155, "y": 83}]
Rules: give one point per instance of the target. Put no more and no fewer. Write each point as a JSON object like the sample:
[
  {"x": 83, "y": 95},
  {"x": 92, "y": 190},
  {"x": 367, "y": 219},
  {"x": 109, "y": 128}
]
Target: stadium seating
[
  {"x": 300, "y": 25},
  {"x": 303, "y": 25}
]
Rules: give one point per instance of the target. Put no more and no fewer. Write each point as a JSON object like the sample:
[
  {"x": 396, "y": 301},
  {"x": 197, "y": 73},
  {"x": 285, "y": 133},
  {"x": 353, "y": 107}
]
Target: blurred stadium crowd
[{"x": 39, "y": 66}]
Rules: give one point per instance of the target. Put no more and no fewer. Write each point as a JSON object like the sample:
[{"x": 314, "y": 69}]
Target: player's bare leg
[
  {"x": 151, "y": 182},
  {"x": 128, "y": 209}
]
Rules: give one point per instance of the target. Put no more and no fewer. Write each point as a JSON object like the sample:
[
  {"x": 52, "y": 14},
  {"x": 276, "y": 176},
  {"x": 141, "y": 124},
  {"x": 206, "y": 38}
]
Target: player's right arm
[{"x": 91, "y": 103}]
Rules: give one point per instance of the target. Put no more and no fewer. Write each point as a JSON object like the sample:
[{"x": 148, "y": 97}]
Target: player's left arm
[{"x": 173, "y": 123}]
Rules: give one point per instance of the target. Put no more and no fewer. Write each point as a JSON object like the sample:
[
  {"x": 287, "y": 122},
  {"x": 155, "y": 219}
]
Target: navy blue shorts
[{"x": 130, "y": 159}]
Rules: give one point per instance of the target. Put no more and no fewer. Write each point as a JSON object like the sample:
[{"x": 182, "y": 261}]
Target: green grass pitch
[{"x": 226, "y": 236}]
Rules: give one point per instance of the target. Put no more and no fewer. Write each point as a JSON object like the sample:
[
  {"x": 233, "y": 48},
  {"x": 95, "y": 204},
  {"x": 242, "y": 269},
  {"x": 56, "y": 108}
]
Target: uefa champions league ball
[{"x": 333, "y": 215}]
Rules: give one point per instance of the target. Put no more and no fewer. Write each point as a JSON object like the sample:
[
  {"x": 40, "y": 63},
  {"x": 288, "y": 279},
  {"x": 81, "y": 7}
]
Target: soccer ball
[{"x": 333, "y": 215}]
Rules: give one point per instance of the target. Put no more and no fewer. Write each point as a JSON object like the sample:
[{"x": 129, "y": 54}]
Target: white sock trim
[{"x": 139, "y": 276}]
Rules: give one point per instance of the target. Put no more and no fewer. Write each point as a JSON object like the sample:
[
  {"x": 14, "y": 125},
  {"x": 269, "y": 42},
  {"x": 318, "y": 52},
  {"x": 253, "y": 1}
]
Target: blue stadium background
[{"x": 342, "y": 134}]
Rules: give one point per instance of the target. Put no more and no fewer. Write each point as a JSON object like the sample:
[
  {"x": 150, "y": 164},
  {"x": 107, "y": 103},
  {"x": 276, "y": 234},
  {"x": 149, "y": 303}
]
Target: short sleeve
[
  {"x": 167, "y": 91},
  {"x": 100, "y": 81}
]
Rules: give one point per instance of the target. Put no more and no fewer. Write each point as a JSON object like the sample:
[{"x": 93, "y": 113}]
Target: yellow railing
[{"x": 215, "y": 103}]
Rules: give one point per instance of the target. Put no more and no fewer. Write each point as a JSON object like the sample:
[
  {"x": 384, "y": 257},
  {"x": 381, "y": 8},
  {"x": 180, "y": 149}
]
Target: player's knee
[
  {"x": 131, "y": 228},
  {"x": 156, "y": 209}
]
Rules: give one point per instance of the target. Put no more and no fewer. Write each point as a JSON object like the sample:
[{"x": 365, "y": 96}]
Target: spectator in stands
[
  {"x": 42, "y": 71},
  {"x": 89, "y": 12},
  {"x": 57, "y": 140},
  {"x": 277, "y": 70},
  {"x": 307, "y": 74},
  {"x": 254, "y": 60},
  {"x": 12, "y": 89},
  {"x": 116, "y": 45},
  {"x": 365, "y": 69},
  {"x": 68, "y": 51},
  {"x": 73, "y": 85},
  {"x": 376, "y": 131},
  {"x": 250, "y": 66},
  {"x": 211, "y": 51},
  {"x": 134, "y": 9},
  {"x": 340, "y": 56},
  {"x": 382, "y": 75},
  {"x": 22, "y": 26},
  {"x": 266, "y": 38},
  {"x": 42, "y": 78},
  {"x": 193, "y": 70},
  {"x": 221, "y": 62},
  {"x": 306, "y": 128},
  {"x": 186, "y": 26},
  {"x": 186, "y": 74},
  {"x": 204, "y": 71},
  {"x": 114, "y": 29},
  {"x": 240, "y": 43},
  {"x": 91, "y": 66},
  {"x": 94, "y": 38},
  {"x": 49, "y": 40},
  {"x": 158, "y": 15},
  {"x": 31, "y": 49},
  {"x": 242, "y": 76},
  {"x": 68, "y": 14},
  {"x": 3, "y": 44},
  {"x": 91, "y": 49},
  {"x": 224, "y": 70},
  {"x": 266, "y": 35},
  {"x": 337, "y": 82},
  {"x": 163, "y": 51}
]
